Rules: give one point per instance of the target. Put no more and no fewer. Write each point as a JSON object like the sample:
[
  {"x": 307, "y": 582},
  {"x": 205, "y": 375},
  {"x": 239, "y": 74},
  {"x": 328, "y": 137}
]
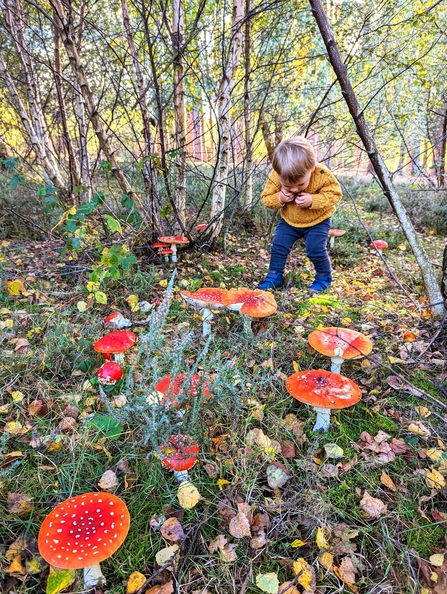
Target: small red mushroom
[
  {"x": 174, "y": 241},
  {"x": 83, "y": 531},
  {"x": 379, "y": 245},
  {"x": 202, "y": 227},
  {"x": 333, "y": 233},
  {"x": 170, "y": 388},
  {"x": 117, "y": 321},
  {"x": 109, "y": 373},
  {"x": 179, "y": 454},
  {"x": 115, "y": 343},
  {"x": 340, "y": 344}
]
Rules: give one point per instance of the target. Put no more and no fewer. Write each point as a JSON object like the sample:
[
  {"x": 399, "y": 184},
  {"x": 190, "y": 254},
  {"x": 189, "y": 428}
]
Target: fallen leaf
[
  {"x": 135, "y": 581},
  {"x": 419, "y": 429},
  {"x": 434, "y": 479},
  {"x": 268, "y": 582},
  {"x": 60, "y": 580},
  {"x": 333, "y": 450},
  {"x": 305, "y": 573},
  {"x": 386, "y": 480},
  {"x": 16, "y": 566},
  {"x": 172, "y": 530},
  {"x": 108, "y": 481},
  {"x": 322, "y": 538},
  {"x": 276, "y": 476},
  {"x": 226, "y": 549},
  {"x": 15, "y": 287},
  {"x": 188, "y": 495},
  {"x": 297, "y": 543},
  {"x": 437, "y": 560},
  {"x": 372, "y": 507},
  {"x": 258, "y": 541},
  {"x": 239, "y": 526},
  {"x": 288, "y": 588},
  {"x": 346, "y": 572},
  {"x": 167, "y": 588},
  {"x": 19, "y": 504},
  {"x": 326, "y": 560},
  {"x": 168, "y": 556}
]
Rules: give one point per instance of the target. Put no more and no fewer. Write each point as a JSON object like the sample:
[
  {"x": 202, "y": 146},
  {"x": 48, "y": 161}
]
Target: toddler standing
[{"x": 306, "y": 193}]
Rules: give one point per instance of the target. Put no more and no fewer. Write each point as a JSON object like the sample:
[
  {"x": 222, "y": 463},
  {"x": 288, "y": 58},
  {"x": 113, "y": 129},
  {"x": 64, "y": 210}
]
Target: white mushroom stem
[
  {"x": 119, "y": 358},
  {"x": 207, "y": 316},
  {"x": 174, "y": 252},
  {"x": 332, "y": 241},
  {"x": 323, "y": 419},
  {"x": 181, "y": 476},
  {"x": 93, "y": 576},
  {"x": 337, "y": 360},
  {"x": 246, "y": 319}
]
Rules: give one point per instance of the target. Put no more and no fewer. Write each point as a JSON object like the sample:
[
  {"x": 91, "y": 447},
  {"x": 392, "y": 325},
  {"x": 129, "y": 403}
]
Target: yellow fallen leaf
[
  {"x": 60, "y": 580},
  {"x": 133, "y": 301},
  {"x": 386, "y": 480},
  {"x": 163, "y": 283},
  {"x": 297, "y": 543},
  {"x": 434, "y": 455},
  {"x": 423, "y": 411},
  {"x": 168, "y": 555},
  {"x": 82, "y": 306},
  {"x": 13, "y": 428},
  {"x": 434, "y": 479},
  {"x": 437, "y": 560},
  {"x": 305, "y": 573},
  {"x": 15, "y": 287},
  {"x": 221, "y": 483},
  {"x": 188, "y": 495},
  {"x": 326, "y": 560},
  {"x": 135, "y": 582},
  {"x": 268, "y": 582},
  {"x": 321, "y": 538},
  {"x": 419, "y": 429},
  {"x": 16, "y": 566},
  {"x": 17, "y": 396}
]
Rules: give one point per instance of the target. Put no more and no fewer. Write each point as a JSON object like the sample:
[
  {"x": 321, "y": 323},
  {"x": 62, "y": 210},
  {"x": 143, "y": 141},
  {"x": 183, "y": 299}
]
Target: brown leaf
[
  {"x": 399, "y": 446},
  {"x": 260, "y": 522},
  {"x": 288, "y": 449},
  {"x": 239, "y": 526},
  {"x": 19, "y": 504},
  {"x": 258, "y": 541},
  {"x": 108, "y": 481},
  {"x": 386, "y": 480},
  {"x": 346, "y": 572},
  {"x": 373, "y": 507},
  {"x": 172, "y": 530},
  {"x": 38, "y": 408},
  {"x": 167, "y": 588}
]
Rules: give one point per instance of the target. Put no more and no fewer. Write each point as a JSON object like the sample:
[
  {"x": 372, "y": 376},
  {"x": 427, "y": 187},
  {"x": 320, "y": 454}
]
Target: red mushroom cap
[
  {"x": 83, "y": 530},
  {"x": 109, "y": 373},
  {"x": 171, "y": 239},
  {"x": 336, "y": 232},
  {"x": 211, "y": 297},
  {"x": 116, "y": 321},
  {"x": 379, "y": 244},
  {"x": 179, "y": 452},
  {"x": 348, "y": 343},
  {"x": 255, "y": 303},
  {"x": 165, "y": 251},
  {"x": 115, "y": 342},
  {"x": 323, "y": 389},
  {"x": 176, "y": 387},
  {"x": 202, "y": 227},
  {"x": 159, "y": 244}
]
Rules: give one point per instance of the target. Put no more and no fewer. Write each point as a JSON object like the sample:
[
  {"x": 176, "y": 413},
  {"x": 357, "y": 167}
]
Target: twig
[
  {"x": 435, "y": 336},
  {"x": 246, "y": 582},
  {"x": 154, "y": 575},
  {"x": 32, "y": 223}
]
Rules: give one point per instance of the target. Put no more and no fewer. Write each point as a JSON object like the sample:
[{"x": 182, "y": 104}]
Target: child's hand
[
  {"x": 303, "y": 200},
  {"x": 285, "y": 197}
]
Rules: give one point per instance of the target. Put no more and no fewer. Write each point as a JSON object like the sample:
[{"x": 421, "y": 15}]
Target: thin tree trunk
[
  {"x": 224, "y": 117},
  {"x": 442, "y": 156},
  {"x": 148, "y": 172},
  {"x": 78, "y": 69},
  {"x": 383, "y": 175},
  {"x": 178, "y": 36},
  {"x": 247, "y": 114}
]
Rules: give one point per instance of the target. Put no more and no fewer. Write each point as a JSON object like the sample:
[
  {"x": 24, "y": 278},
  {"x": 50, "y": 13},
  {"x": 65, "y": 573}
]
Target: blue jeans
[{"x": 316, "y": 242}]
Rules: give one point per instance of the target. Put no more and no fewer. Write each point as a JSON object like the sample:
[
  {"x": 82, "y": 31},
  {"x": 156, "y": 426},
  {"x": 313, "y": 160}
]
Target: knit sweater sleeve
[
  {"x": 270, "y": 194},
  {"x": 328, "y": 194}
]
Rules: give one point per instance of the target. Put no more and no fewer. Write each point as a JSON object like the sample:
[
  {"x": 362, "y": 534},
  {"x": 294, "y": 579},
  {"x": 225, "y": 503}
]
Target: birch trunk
[
  {"x": 224, "y": 119},
  {"x": 248, "y": 204},
  {"x": 383, "y": 175},
  {"x": 90, "y": 104},
  {"x": 152, "y": 208},
  {"x": 178, "y": 35}
]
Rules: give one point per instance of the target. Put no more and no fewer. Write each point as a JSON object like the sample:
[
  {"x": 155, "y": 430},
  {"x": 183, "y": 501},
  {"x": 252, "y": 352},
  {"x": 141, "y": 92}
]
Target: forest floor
[{"x": 361, "y": 508}]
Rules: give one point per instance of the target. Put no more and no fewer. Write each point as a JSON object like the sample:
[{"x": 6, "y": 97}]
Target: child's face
[{"x": 298, "y": 186}]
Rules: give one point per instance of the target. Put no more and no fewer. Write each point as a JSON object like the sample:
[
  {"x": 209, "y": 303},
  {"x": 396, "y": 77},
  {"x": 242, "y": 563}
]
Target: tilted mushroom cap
[
  {"x": 179, "y": 452},
  {"x": 336, "y": 232},
  {"x": 84, "y": 530},
  {"x": 323, "y": 389},
  {"x": 340, "y": 342},
  {"x": 177, "y": 387},
  {"x": 115, "y": 342},
  {"x": 159, "y": 244},
  {"x": 255, "y": 303},
  {"x": 202, "y": 227},
  {"x": 109, "y": 373},
  {"x": 171, "y": 239},
  {"x": 210, "y": 297},
  {"x": 379, "y": 244},
  {"x": 165, "y": 251}
]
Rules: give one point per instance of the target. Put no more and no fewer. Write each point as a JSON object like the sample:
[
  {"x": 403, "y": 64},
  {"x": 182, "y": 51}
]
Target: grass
[{"x": 247, "y": 375}]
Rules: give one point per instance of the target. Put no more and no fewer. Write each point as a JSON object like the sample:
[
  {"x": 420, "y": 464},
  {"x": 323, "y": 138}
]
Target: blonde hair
[{"x": 293, "y": 158}]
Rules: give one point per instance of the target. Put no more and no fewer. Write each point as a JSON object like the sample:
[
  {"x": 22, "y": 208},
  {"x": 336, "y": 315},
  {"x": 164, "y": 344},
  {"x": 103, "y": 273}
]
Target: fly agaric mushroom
[
  {"x": 115, "y": 343},
  {"x": 179, "y": 454},
  {"x": 83, "y": 531},
  {"x": 170, "y": 388},
  {"x": 250, "y": 304},
  {"x": 340, "y": 344},
  {"x": 174, "y": 241},
  {"x": 166, "y": 252},
  {"x": 324, "y": 390},
  {"x": 109, "y": 373},
  {"x": 333, "y": 233},
  {"x": 117, "y": 321},
  {"x": 159, "y": 244},
  {"x": 379, "y": 245},
  {"x": 202, "y": 227},
  {"x": 205, "y": 300}
]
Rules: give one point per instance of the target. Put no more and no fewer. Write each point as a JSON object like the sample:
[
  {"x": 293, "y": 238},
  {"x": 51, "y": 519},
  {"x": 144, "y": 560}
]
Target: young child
[{"x": 306, "y": 193}]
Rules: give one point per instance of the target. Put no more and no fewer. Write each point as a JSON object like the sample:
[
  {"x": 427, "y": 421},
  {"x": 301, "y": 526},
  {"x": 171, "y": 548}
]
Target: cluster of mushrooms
[
  {"x": 327, "y": 390},
  {"x": 250, "y": 303}
]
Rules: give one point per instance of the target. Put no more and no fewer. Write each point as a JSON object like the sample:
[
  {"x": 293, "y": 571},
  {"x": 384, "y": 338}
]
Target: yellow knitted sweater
[{"x": 323, "y": 187}]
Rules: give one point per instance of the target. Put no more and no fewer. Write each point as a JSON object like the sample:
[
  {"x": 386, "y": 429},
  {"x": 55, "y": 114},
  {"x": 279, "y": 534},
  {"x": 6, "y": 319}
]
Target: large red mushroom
[
  {"x": 83, "y": 531},
  {"x": 324, "y": 390},
  {"x": 340, "y": 344},
  {"x": 205, "y": 300},
  {"x": 115, "y": 343},
  {"x": 250, "y": 304}
]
